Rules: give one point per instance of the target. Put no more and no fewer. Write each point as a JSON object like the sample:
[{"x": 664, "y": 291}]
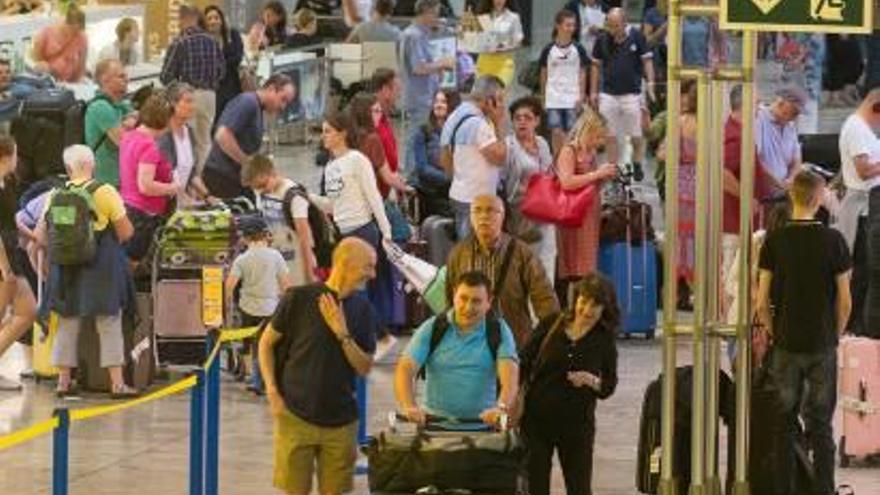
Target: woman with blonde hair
[{"x": 577, "y": 166}]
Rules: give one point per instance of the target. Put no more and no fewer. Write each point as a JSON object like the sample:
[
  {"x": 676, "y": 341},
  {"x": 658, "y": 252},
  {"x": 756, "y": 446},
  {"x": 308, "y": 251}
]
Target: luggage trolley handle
[{"x": 435, "y": 422}]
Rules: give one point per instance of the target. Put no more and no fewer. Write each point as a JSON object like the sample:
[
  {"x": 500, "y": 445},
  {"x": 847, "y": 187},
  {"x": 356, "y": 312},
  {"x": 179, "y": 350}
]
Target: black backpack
[
  {"x": 70, "y": 220},
  {"x": 324, "y": 232},
  {"x": 441, "y": 326}
]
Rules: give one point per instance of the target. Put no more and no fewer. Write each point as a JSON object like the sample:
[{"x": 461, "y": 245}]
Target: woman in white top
[
  {"x": 505, "y": 34},
  {"x": 177, "y": 145},
  {"x": 357, "y": 207},
  {"x": 125, "y": 48},
  {"x": 528, "y": 154}
]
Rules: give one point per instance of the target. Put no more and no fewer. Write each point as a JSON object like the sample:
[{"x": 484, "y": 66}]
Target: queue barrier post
[
  {"x": 197, "y": 436},
  {"x": 212, "y": 423},
  {"x": 60, "y": 452}
]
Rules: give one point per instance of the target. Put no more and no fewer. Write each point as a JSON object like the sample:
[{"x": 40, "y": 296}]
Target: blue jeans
[
  {"x": 462, "y": 213},
  {"x": 809, "y": 379},
  {"x": 379, "y": 290},
  {"x": 561, "y": 118}
]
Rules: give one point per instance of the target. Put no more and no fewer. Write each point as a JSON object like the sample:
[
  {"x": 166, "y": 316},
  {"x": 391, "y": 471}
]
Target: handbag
[
  {"x": 518, "y": 409},
  {"x": 546, "y": 201}
]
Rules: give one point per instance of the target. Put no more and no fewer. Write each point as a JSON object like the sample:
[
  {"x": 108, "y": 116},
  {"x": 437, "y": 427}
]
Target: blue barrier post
[
  {"x": 197, "y": 436},
  {"x": 212, "y": 427},
  {"x": 60, "y": 452}
]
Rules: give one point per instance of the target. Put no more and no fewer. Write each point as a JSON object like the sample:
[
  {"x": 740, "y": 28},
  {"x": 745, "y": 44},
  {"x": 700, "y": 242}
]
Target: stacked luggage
[
  {"x": 628, "y": 256},
  {"x": 49, "y": 121}
]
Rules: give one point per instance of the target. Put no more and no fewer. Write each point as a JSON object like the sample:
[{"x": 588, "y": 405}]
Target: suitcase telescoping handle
[{"x": 442, "y": 423}]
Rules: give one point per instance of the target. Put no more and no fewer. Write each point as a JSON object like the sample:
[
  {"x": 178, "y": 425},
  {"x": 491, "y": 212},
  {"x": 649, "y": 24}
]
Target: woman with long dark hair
[
  {"x": 432, "y": 183},
  {"x": 271, "y": 30},
  {"x": 233, "y": 52},
  {"x": 569, "y": 364}
]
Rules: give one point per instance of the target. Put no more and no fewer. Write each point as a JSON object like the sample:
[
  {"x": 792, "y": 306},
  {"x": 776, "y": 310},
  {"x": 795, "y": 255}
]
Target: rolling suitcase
[
  {"x": 439, "y": 234},
  {"x": 633, "y": 270},
  {"x": 859, "y": 392},
  {"x": 49, "y": 121}
]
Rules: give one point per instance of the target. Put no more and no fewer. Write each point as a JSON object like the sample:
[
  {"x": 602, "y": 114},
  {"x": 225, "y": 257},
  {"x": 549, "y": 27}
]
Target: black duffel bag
[{"x": 479, "y": 462}]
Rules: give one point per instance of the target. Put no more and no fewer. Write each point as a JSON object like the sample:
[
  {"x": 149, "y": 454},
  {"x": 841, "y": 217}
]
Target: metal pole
[
  {"x": 744, "y": 311},
  {"x": 197, "y": 436},
  {"x": 716, "y": 164},
  {"x": 60, "y": 452},
  {"x": 698, "y": 416},
  {"x": 212, "y": 426},
  {"x": 668, "y": 484}
]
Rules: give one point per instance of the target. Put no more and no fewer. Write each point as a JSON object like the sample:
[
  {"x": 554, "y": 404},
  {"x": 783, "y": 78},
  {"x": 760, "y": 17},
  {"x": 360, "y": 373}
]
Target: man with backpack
[
  {"x": 107, "y": 116},
  {"x": 82, "y": 229},
  {"x": 321, "y": 337},
  {"x": 804, "y": 304},
  {"x": 286, "y": 207},
  {"x": 461, "y": 377}
]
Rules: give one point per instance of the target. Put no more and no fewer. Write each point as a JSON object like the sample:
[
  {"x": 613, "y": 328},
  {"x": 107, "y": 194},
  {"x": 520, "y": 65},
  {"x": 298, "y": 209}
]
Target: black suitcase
[
  {"x": 50, "y": 120},
  {"x": 649, "y": 459}
]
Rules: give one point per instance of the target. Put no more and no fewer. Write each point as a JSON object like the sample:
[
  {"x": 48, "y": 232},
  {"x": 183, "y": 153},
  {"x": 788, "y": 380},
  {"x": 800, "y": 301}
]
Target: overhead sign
[{"x": 814, "y": 16}]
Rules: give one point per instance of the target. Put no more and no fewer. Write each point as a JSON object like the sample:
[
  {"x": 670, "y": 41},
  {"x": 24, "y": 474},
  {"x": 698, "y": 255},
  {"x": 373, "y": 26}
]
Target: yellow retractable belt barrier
[
  {"x": 29, "y": 433},
  {"x": 44, "y": 427}
]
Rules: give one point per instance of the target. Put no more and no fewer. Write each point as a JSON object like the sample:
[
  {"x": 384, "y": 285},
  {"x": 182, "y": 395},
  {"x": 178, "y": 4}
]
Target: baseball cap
[{"x": 252, "y": 225}]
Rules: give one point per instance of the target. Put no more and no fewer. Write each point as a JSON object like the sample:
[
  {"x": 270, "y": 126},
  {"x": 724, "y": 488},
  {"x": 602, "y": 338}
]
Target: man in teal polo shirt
[
  {"x": 108, "y": 115},
  {"x": 467, "y": 362}
]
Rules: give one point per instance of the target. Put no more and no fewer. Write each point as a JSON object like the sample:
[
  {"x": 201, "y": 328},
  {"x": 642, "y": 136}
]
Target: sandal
[
  {"x": 69, "y": 392},
  {"x": 124, "y": 392}
]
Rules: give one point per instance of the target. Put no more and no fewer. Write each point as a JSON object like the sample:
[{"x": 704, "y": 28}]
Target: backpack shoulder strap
[
  {"x": 92, "y": 186},
  {"x": 287, "y": 202},
  {"x": 438, "y": 331},
  {"x": 457, "y": 127},
  {"x": 493, "y": 336}
]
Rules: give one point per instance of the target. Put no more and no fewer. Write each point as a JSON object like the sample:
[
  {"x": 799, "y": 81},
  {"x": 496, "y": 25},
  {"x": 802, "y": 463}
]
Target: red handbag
[{"x": 546, "y": 201}]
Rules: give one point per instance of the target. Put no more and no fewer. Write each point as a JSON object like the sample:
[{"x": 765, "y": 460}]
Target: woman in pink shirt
[
  {"x": 146, "y": 178},
  {"x": 61, "y": 49}
]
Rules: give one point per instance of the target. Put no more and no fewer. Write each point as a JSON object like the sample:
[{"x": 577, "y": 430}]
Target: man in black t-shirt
[
  {"x": 321, "y": 337},
  {"x": 804, "y": 303}
]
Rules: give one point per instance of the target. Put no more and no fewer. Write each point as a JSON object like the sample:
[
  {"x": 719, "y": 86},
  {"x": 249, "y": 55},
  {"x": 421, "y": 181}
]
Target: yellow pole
[{"x": 744, "y": 311}]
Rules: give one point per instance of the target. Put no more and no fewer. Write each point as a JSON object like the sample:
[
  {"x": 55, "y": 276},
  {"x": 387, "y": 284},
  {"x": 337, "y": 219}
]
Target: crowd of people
[{"x": 530, "y": 331}]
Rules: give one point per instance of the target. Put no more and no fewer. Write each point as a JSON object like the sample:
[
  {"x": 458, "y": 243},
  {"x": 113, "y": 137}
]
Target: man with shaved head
[
  {"x": 321, "y": 338},
  {"x": 517, "y": 276}
]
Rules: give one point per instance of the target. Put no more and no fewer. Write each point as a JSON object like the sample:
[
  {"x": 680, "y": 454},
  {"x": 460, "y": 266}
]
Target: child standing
[
  {"x": 264, "y": 277},
  {"x": 564, "y": 64}
]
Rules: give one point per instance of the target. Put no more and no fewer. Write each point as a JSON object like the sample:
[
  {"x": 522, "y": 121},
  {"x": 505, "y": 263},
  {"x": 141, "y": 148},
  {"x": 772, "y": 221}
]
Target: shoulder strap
[
  {"x": 438, "y": 331},
  {"x": 289, "y": 194},
  {"x": 501, "y": 276},
  {"x": 456, "y": 128},
  {"x": 103, "y": 138},
  {"x": 542, "y": 347},
  {"x": 493, "y": 336}
]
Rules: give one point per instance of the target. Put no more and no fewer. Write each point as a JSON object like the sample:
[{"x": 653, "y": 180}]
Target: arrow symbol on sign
[
  {"x": 827, "y": 10},
  {"x": 765, "y": 6}
]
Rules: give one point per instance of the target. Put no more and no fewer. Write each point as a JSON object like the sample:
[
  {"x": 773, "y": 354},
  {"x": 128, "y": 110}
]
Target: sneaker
[
  {"x": 7, "y": 385},
  {"x": 69, "y": 392},
  {"x": 124, "y": 392},
  {"x": 638, "y": 173},
  {"x": 27, "y": 374},
  {"x": 384, "y": 347}
]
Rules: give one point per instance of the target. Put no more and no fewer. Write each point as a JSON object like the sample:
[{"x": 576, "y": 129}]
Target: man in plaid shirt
[{"x": 197, "y": 59}]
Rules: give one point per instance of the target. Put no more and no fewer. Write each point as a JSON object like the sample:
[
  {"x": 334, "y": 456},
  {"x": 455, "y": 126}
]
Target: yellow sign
[{"x": 212, "y": 296}]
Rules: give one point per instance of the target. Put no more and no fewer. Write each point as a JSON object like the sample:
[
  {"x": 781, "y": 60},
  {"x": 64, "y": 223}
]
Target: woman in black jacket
[{"x": 570, "y": 363}]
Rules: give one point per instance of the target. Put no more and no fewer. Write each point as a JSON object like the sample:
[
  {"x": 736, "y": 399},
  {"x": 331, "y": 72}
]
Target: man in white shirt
[
  {"x": 860, "y": 166},
  {"x": 473, "y": 133}
]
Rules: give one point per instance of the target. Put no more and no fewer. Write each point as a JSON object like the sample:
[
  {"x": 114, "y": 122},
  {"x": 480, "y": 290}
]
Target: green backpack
[{"x": 70, "y": 220}]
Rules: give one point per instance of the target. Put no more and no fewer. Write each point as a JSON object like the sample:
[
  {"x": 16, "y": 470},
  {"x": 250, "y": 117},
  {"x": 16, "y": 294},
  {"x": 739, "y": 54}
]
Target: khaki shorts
[
  {"x": 623, "y": 114},
  {"x": 300, "y": 446}
]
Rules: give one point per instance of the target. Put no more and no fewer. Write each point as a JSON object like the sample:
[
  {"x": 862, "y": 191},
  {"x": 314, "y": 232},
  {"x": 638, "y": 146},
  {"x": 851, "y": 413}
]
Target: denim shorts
[{"x": 561, "y": 118}]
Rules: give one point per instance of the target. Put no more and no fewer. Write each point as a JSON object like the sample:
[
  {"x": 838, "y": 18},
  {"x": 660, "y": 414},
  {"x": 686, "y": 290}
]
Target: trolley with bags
[
  {"x": 444, "y": 455},
  {"x": 193, "y": 253}
]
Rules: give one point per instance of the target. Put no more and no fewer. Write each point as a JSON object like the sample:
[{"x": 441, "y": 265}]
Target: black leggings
[{"x": 574, "y": 445}]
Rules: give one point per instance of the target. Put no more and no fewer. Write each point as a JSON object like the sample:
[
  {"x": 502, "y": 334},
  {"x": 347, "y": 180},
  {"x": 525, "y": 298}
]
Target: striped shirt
[{"x": 196, "y": 58}]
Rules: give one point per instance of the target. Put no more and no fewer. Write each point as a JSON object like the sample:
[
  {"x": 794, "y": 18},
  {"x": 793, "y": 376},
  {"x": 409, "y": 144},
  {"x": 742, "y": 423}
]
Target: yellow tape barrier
[
  {"x": 29, "y": 433},
  {"x": 44, "y": 427}
]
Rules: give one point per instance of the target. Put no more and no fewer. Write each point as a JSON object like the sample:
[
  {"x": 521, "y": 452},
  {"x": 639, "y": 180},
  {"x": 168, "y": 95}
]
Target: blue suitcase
[{"x": 633, "y": 270}]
